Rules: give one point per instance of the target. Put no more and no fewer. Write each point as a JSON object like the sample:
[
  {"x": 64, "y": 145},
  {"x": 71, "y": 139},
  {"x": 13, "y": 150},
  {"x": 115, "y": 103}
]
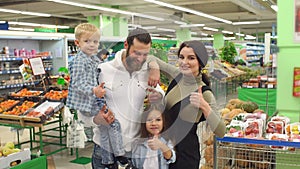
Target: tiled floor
[{"x": 61, "y": 160}]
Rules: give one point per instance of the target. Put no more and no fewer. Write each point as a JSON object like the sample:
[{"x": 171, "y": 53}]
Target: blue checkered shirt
[{"x": 83, "y": 73}]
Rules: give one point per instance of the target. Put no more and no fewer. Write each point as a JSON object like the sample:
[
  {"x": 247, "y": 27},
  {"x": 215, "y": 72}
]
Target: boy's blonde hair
[{"x": 85, "y": 28}]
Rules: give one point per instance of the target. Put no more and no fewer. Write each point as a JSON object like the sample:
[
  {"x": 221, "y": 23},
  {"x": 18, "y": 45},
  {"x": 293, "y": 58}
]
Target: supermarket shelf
[
  {"x": 259, "y": 141},
  {"x": 7, "y": 59},
  {"x": 19, "y": 85},
  {"x": 18, "y": 71}
]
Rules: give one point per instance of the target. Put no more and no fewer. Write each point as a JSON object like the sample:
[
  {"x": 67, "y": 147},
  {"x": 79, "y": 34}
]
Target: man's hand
[
  {"x": 99, "y": 90},
  {"x": 154, "y": 74},
  {"x": 105, "y": 116}
]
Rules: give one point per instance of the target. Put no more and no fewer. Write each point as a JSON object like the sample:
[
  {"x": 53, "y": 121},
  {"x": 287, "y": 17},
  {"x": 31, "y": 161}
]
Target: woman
[{"x": 188, "y": 101}]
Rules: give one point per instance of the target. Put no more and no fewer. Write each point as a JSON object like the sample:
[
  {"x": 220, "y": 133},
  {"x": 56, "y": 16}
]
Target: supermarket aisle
[{"x": 61, "y": 160}]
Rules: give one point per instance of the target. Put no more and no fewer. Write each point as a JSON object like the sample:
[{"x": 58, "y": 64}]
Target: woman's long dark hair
[{"x": 205, "y": 78}]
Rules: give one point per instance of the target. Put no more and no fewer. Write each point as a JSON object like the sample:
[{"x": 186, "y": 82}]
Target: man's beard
[{"x": 133, "y": 65}]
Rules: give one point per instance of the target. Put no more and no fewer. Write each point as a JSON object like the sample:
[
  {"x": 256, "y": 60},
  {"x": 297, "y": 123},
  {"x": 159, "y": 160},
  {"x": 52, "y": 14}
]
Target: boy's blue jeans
[{"x": 111, "y": 137}]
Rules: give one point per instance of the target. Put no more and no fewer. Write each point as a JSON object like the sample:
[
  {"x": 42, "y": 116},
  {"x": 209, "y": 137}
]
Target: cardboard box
[{"x": 20, "y": 157}]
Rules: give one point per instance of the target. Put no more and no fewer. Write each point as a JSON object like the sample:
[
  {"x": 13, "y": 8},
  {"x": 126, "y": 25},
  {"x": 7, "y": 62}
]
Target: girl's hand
[
  {"x": 154, "y": 143},
  {"x": 99, "y": 90}
]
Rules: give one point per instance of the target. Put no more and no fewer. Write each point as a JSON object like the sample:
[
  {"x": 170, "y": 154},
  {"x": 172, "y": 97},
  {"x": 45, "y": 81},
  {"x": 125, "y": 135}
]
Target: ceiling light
[
  {"x": 194, "y": 33},
  {"x": 1, "y": 22},
  {"x": 134, "y": 25},
  {"x": 149, "y": 27},
  {"x": 21, "y": 29},
  {"x": 250, "y": 37},
  {"x": 167, "y": 30},
  {"x": 275, "y": 8},
  {"x": 206, "y": 38},
  {"x": 188, "y": 10},
  {"x": 154, "y": 34},
  {"x": 107, "y": 9},
  {"x": 240, "y": 34},
  {"x": 229, "y": 38},
  {"x": 35, "y": 14},
  {"x": 227, "y": 32},
  {"x": 210, "y": 29},
  {"x": 24, "y": 12},
  {"x": 38, "y": 25},
  {"x": 204, "y": 34},
  {"x": 180, "y": 23},
  {"x": 192, "y": 25},
  {"x": 246, "y": 23}
]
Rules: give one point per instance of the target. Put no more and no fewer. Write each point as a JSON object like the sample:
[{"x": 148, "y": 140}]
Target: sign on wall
[{"x": 297, "y": 21}]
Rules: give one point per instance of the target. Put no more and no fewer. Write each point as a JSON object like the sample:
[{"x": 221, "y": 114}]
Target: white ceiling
[{"x": 232, "y": 10}]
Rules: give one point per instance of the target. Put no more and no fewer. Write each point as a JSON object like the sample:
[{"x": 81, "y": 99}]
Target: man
[{"x": 126, "y": 82}]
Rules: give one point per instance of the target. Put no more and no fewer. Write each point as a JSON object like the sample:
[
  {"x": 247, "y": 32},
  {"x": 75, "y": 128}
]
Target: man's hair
[
  {"x": 85, "y": 28},
  {"x": 140, "y": 34}
]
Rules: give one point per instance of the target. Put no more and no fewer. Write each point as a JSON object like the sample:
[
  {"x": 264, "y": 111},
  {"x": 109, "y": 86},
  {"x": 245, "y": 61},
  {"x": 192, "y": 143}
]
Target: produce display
[
  {"x": 8, "y": 148},
  {"x": 31, "y": 105},
  {"x": 56, "y": 95},
  {"x": 244, "y": 119},
  {"x": 6, "y": 105},
  {"x": 25, "y": 92}
]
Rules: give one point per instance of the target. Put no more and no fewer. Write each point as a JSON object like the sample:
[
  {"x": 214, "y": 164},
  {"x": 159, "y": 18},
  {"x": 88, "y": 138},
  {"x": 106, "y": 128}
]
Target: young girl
[{"x": 152, "y": 151}]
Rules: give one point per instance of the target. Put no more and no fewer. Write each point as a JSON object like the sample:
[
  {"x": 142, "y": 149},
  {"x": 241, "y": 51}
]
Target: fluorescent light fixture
[
  {"x": 227, "y": 32},
  {"x": 1, "y": 22},
  {"x": 192, "y": 25},
  {"x": 250, "y": 37},
  {"x": 149, "y": 27},
  {"x": 21, "y": 29},
  {"x": 240, "y": 34},
  {"x": 24, "y": 12},
  {"x": 107, "y": 9},
  {"x": 167, "y": 30},
  {"x": 134, "y": 25},
  {"x": 194, "y": 33},
  {"x": 154, "y": 34},
  {"x": 206, "y": 38},
  {"x": 246, "y": 23},
  {"x": 188, "y": 10},
  {"x": 38, "y": 25},
  {"x": 35, "y": 14},
  {"x": 9, "y": 10},
  {"x": 180, "y": 22},
  {"x": 210, "y": 29},
  {"x": 275, "y": 8},
  {"x": 204, "y": 34},
  {"x": 229, "y": 38}
]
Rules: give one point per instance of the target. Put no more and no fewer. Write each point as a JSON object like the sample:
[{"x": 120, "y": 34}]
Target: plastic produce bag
[{"x": 76, "y": 137}]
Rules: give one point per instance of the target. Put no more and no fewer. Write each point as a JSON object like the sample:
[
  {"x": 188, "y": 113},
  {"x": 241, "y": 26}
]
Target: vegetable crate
[{"x": 242, "y": 153}]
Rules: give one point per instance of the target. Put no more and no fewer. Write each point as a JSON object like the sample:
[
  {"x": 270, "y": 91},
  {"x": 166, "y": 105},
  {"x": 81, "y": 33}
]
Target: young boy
[{"x": 86, "y": 95}]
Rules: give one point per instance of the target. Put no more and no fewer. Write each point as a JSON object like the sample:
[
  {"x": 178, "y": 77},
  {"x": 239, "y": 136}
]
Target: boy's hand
[
  {"x": 99, "y": 90},
  {"x": 104, "y": 117},
  {"x": 154, "y": 74}
]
